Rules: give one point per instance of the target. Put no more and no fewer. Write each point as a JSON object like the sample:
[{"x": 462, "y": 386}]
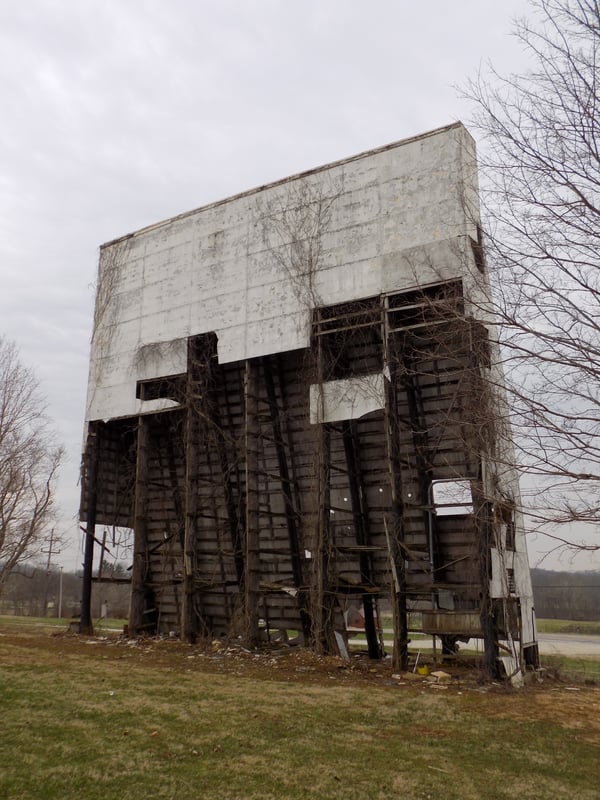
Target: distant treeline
[
  {"x": 35, "y": 591},
  {"x": 566, "y": 595}
]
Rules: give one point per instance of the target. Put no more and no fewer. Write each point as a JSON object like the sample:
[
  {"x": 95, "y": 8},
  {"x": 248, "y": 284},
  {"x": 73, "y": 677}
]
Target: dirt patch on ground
[{"x": 573, "y": 708}]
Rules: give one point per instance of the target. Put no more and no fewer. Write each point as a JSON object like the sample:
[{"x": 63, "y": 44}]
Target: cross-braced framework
[{"x": 285, "y": 490}]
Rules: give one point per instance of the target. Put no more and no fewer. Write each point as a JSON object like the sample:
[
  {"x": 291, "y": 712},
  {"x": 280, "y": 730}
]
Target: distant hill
[{"x": 566, "y": 595}]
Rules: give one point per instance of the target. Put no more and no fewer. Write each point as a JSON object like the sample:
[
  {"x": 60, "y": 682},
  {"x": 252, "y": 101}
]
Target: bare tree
[
  {"x": 541, "y": 193},
  {"x": 29, "y": 459}
]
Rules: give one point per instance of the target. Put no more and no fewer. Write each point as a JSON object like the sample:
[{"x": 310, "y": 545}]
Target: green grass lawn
[
  {"x": 568, "y": 626},
  {"x": 62, "y": 623},
  {"x": 570, "y": 668},
  {"x": 91, "y": 719},
  {"x": 544, "y": 625}
]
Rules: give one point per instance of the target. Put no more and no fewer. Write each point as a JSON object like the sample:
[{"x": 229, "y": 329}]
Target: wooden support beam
[
  {"x": 477, "y": 447},
  {"x": 89, "y": 491},
  {"x": 489, "y": 622},
  {"x": 203, "y": 440},
  {"x": 423, "y": 452},
  {"x": 176, "y": 490},
  {"x": 322, "y": 594},
  {"x": 290, "y": 501},
  {"x": 360, "y": 514},
  {"x": 322, "y": 597},
  {"x": 189, "y": 622},
  {"x": 252, "y": 560},
  {"x": 103, "y": 550},
  {"x": 395, "y": 528},
  {"x": 139, "y": 574},
  {"x": 228, "y": 465}
]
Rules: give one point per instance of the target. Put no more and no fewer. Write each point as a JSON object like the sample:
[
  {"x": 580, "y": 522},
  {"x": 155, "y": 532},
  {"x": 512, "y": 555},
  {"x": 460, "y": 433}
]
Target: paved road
[
  {"x": 549, "y": 643},
  {"x": 569, "y": 644}
]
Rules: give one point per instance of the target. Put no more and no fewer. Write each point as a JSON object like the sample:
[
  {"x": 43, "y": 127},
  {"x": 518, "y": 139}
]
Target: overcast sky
[{"x": 118, "y": 114}]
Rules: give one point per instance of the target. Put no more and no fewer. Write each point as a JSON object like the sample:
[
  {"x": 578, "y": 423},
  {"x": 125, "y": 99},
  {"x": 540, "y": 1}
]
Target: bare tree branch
[
  {"x": 29, "y": 460},
  {"x": 541, "y": 191}
]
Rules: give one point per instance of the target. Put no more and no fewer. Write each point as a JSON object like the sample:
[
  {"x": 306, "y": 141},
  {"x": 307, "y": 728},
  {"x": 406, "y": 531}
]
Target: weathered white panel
[
  {"x": 518, "y": 563},
  {"x": 115, "y": 396},
  {"x": 118, "y": 341},
  {"x": 351, "y": 398},
  {"x": 160, "y": 359},
  {"x": 262, "y": 268},
  {"x": 501, "y": 560},
  {"x": 273, "y": 299},
  {"x": 359, "y": 279},
  {"x": 220, "y": 311},
  {"x": 163, "y": 325},
  {"x": 154, "y": 406},
  {"x": 254, "y": 339},
  {"x": 126, "y": 305},
  {"x": 423, "y": 265},
  {"x": 395, "y": 216},
  {"x": 357, "y": 242}
]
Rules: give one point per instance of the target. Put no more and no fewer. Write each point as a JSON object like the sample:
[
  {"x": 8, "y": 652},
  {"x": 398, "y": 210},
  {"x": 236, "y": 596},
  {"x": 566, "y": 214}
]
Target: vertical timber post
[
  {"x": 189, "y": 627},
  {"x": 90, "y": 492},
  {"x": 395, "y": 533},
  {"x": 290, "y": 502},
  {"x": 323, "y": 605},
  {"x": 489, "y": 625},
  {"x": 360, "y": 514},
  {"x": 322, "y": 599},
  {"x": 484, "y": 512},
  {"x": 140, "y": 533},
  {"x": 252, "y": 563}
]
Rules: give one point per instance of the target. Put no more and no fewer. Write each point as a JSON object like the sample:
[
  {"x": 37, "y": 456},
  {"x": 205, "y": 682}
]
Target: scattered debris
[{"x": 409, "y": 676}]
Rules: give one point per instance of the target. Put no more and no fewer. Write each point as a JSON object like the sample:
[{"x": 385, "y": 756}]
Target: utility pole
[{"x": 50, "y": 551}]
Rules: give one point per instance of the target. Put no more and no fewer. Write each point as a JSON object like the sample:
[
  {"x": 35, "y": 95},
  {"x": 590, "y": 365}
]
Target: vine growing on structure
[
  {"x": 293, "y": 228},
  {"x": 108, "y": 303}
]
